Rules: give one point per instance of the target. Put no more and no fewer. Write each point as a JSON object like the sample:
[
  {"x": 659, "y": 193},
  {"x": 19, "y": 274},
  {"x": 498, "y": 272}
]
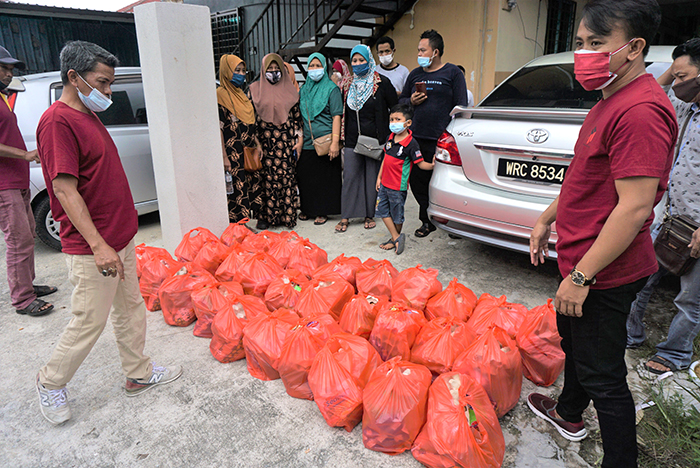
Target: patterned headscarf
[
  {"x": 314, "y": 95},
  {"x": 362, "y": 87},
  {"x": 346, "y": 77}
]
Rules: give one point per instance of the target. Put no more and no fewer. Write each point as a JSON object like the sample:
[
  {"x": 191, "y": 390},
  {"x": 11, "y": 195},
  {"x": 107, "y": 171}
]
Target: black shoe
[
  {"x": 262, "y": 225},
  {"x": 425, "y": 230}
]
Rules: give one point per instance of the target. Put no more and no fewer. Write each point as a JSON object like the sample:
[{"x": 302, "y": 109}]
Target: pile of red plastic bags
[{"x": 422, "y": 367}]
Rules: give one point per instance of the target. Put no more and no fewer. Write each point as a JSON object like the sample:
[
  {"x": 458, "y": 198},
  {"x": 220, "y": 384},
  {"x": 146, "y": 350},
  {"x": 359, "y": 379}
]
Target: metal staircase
[{"x": 297, "y": 28}]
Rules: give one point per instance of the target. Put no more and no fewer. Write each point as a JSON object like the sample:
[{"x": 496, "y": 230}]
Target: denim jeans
[
  {"x": 678, "y": 347},
  {"x": 595, "y": 369}
]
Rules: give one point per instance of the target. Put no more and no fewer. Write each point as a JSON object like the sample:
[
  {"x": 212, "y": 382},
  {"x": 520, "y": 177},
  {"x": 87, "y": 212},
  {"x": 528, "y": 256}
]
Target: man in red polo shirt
[
  {"x": 16, "y": 218},
  {"x": 90, "y": 197},
  {"x": 619, "y": 172}
]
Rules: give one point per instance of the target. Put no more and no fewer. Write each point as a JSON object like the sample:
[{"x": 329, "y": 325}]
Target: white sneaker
[
  {"x": 53, "y": 404},
  {"x": 160, "y": 376}
]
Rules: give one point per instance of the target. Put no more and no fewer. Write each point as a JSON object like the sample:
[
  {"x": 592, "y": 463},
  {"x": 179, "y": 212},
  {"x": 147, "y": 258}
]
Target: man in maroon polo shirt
[
  {"x": 16, "y": 218},
  {"x": 90, "y": 197},
  {"x": 619, "y": 172}
]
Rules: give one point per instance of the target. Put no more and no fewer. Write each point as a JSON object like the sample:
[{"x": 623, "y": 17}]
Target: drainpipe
[{"x": 483, "y": 49}]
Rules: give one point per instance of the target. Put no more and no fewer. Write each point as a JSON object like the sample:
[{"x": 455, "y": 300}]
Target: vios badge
[{"x": 537, "y": 135}]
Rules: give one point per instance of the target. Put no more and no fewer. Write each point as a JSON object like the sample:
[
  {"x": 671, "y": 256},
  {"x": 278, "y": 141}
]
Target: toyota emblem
[{"x": 537, "y": 135}]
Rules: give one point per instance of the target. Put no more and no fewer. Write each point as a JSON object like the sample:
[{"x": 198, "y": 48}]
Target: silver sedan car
[
  {"x": 126, "y": 122},
  {"x": 500, "y": 164}
]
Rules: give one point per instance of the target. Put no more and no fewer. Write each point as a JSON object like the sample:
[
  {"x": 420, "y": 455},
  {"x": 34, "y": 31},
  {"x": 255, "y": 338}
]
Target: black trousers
[
  {"x": 420, "y": 179},
  {"x": 595, "y": 369}
]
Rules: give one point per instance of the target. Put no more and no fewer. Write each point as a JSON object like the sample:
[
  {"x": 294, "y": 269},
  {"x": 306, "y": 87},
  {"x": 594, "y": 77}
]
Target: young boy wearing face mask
[{"x": 388, "y": 67}]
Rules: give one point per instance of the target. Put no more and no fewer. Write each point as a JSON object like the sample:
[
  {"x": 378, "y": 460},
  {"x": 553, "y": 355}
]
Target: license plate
[{"x": 532, "y": 170}]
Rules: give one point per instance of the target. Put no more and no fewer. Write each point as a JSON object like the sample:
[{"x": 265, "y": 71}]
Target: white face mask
[
  {"x": 386, "y": 59},
  {"x": 95, "y": 101}
]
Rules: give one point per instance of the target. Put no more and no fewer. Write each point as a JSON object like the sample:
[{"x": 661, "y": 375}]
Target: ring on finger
[{"x": 104, "y": 272}]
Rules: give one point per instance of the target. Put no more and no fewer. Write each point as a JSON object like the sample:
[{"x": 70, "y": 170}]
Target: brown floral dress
[
  {"x": 280, "y": 196},
  {"x": 246, "y": 199}
]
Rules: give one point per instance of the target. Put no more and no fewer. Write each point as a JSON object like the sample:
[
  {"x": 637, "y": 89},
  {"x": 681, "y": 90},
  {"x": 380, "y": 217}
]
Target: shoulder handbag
[
  {"x": 367, "y": 146},
  {"x": 251, "y": 159},
  {"x": 322, "y": 144},
  {"x": 671, "y": 244}
]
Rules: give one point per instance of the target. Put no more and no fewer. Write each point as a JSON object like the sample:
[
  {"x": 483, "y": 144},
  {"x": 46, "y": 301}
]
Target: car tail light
[{"x": 446, "y": 151}]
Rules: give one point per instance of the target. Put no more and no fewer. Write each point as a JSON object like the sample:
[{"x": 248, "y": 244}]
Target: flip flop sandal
[
  {"x": 370, "y": 224},
  {"x": 400, "y": 244},
  {"x": 323, "y": 220},
  {"x": 303, "y": 217},
  {"x": 36, "y": 309},
  {"x": 342, "y": 226},
  {"x": 41, "y": 291},
  {"x": 388, "y": 243}
]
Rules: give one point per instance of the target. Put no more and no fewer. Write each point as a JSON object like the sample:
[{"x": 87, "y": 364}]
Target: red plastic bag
[
  {"x": 376, "y": 278},
  {"x": 440, "y": 342},
  {"x": 227, "y": 335},
  {"x": 176, "y": 294},
  {"x": 262, "y": 341},
  {"x": 145, "y": 253},
  {"x": 307, "y": 257},
  {"x": 491, "y": 311},
  {"x": 156, "y": 270},
  {"x": 282, "y": 248},
  {"x": 248, "y": 306},
  {"x": 192, "y": 242},
  {"x": 260, "y": 242},
  {"x": 299, "y": 349},
  {"x": 414, "y": 286},
  {"x": 493, "y": 360},
  {"x": 230, "y": 265},
  {"x": 462, "y": 429},
  {"x": 456, "y": 300},
  {"x": 359, "y": 313},
  {"x": 285, "y": 289},
  {"x": 208, "y": 299},
  {"x": 211, "y": 255},
  {"x": 539, "y": 344},
  {"x": 394, "y": 406},
  {"x": 344, "y": 266},
  {"x": 235, "y": 233},
  {"x": 338, "y": 375},
  {"x": 256, "y": 273},
  {"x": 326, "y": 294},
  {"x": 395, "y": 330}
]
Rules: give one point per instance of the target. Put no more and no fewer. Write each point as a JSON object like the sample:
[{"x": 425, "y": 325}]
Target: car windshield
[{"x": 546, "y": 86}]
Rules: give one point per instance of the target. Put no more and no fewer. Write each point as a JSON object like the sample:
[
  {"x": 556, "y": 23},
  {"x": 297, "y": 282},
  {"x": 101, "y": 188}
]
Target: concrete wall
[
  {"x": 516, "y": 46},
  {"x": 469, "y": 29}
]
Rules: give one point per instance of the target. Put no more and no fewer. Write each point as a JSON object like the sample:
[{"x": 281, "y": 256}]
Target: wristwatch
[{"x": 580, "y": 279}]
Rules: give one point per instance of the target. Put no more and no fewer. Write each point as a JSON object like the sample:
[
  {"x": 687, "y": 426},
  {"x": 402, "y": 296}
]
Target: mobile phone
[{"x": 420, "y": 87}]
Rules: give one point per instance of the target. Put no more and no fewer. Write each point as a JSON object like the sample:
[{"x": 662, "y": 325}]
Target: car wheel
[{"x": 47, "y": 229}]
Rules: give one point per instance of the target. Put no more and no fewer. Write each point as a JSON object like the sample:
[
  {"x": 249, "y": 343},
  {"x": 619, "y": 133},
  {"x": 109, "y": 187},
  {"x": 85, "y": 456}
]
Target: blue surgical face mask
[
  {"x": 95, "y": 101},
  {"x": 238, "y": 80},
  {"x": 397, "y": 127},
  {"x": 316, "y": 74},
  {"x": 425, "y": 61},
  {"x": 361, "y": 69}
]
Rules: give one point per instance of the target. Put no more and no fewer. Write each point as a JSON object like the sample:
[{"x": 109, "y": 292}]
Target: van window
[{"x": 128, "y": 103}]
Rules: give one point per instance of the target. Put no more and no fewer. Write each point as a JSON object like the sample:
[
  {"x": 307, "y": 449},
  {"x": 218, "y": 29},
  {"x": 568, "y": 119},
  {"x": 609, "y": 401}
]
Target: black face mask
[{"x": 687, "y": 90}]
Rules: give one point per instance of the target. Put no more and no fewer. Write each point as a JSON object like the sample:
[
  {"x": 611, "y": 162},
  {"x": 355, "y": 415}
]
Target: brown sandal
[{"x": 342, "y": 226}]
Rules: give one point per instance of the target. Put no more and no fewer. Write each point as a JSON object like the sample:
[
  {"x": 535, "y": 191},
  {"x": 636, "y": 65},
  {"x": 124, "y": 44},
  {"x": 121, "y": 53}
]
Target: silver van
[{"x": 126, "y": 122}]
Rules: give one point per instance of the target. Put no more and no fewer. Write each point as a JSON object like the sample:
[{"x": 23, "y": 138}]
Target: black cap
[{"x": 8, "y": 59}]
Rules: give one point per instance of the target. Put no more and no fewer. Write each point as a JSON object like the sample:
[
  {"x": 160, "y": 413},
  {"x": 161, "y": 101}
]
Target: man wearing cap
[{"x": 16, "y": 218}]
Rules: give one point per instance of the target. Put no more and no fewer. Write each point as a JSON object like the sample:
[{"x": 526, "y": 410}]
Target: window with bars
[
  {"x": 561, "y": 16},
  {"x": 226, "y": 31}
]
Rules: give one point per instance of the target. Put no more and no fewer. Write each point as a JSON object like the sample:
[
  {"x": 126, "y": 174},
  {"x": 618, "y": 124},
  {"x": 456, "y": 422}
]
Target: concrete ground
[{"x": 218, "y": 415}]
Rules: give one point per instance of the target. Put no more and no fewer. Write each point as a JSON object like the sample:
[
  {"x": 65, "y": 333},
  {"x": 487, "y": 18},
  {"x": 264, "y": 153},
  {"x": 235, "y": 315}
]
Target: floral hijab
[{"x": 362, "y": 87}]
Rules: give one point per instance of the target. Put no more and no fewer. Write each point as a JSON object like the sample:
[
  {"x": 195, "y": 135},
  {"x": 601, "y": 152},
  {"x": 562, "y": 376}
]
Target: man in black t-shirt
[{"x": 444, "y": 88}]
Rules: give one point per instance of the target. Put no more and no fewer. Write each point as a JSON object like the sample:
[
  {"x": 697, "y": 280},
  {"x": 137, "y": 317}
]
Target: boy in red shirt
[{"x": 401, "y": 152}]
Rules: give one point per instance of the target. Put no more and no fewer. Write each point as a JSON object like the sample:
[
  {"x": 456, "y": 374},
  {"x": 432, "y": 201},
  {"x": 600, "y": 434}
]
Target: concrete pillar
[{"x": 177, "y": 62}]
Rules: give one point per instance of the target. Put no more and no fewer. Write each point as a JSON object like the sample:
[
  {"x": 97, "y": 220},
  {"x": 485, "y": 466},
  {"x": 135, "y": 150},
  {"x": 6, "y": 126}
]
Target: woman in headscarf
[
  {"x": 276, "y": 102},
  {"x": 320, "y": 176},
  {"x": 238, "y": 130},
  {"x": 370, "y": 96},
  {"x": 341, "y": 75}
]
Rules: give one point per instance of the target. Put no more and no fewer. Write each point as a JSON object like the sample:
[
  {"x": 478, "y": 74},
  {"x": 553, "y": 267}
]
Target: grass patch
[{"x": 669, "y": 434}]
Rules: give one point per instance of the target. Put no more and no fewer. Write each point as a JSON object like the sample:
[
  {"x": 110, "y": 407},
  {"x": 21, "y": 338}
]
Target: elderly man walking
[
  {"x": 16, "y": 218},
  {"x": 90, "y": 197}
]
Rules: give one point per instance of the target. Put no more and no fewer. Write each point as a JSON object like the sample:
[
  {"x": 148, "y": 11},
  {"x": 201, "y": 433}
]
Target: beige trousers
[{"x": 94, "y": 299}]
